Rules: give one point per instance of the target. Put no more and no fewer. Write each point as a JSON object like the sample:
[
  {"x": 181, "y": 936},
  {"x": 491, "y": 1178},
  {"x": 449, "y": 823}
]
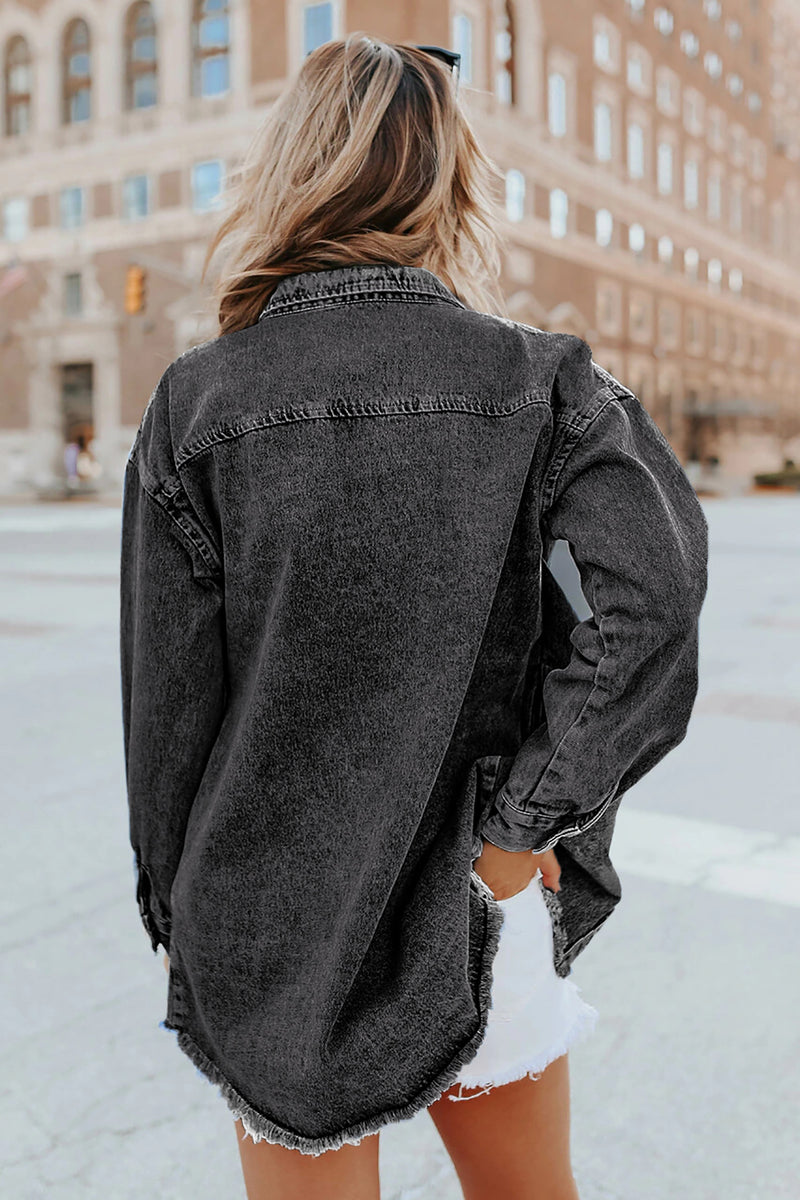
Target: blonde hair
[{"x": 367, "y": 157}]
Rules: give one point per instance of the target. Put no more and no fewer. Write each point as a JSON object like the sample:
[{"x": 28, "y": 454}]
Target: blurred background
[
  {"x": 652, "y": 205},
  {"x": 652, "y": 195}
]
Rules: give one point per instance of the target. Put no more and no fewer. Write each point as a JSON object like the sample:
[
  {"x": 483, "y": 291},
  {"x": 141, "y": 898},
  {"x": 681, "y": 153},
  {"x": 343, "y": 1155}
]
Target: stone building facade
[{"x": 652, "y": 197}]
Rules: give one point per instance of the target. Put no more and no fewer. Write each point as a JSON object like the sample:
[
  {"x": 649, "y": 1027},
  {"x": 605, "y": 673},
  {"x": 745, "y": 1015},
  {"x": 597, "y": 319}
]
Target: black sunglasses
[{"x": 450, "y": 57}]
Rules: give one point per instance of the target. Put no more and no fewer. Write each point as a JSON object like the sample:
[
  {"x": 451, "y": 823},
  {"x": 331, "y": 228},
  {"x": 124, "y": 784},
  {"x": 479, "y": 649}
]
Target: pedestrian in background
[{"x": 72, "y": 450}]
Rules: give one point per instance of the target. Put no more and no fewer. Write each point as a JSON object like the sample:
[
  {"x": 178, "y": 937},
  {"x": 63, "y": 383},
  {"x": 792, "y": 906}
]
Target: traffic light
[{"x": 135, "y": 281}]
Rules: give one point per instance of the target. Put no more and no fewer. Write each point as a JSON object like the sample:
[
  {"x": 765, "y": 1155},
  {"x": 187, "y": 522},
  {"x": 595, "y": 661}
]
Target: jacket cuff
[
  {"x": 157, "y": 922},
  {"x": 512, "y": 828}
]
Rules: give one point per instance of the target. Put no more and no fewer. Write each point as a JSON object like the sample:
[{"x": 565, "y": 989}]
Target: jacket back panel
[{"x": 364, "y": 471}]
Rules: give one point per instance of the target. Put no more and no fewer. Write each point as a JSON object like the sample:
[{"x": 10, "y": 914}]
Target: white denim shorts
[{"x": 535, "y": 1014}]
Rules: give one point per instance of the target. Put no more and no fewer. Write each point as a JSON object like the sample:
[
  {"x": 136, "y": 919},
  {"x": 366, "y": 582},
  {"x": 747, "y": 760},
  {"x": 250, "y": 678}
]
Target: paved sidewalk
[{"x": 689, "y": 1086}]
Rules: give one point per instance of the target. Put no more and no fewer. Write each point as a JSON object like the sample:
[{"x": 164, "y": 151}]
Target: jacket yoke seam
[{"x": 345, "y": 411}]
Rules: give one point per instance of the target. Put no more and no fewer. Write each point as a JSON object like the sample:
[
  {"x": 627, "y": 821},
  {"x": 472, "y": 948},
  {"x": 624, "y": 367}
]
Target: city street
[{"x": 690, "y": 1085}]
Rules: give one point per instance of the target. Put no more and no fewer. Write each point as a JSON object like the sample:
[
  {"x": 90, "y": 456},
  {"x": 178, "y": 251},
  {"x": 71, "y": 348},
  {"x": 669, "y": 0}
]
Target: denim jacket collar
[{"x": 356, "y": 281}]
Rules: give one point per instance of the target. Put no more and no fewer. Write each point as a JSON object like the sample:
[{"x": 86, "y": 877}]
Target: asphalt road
[{"x": 689, "y": 1086}]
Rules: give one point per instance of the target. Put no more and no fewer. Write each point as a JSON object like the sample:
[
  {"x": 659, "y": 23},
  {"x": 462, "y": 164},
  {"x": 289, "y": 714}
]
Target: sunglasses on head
[{"x": 450, "y": 57}]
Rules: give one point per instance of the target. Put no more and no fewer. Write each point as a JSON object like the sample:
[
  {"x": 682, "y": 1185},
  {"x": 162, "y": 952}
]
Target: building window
[
  {"x": 640, "y": 316},
  {"x": 713, "y": 64},
  {"x": 15, "y": 218},
  {"x": 515, "y": 194},
  {"x": 690, "y": 43},
  {"x": 691, "y": 262},
  {"x": 71, "y": 207},
  {"x": 736, "y": 206},
  {"x": 603, "y": 227},
  {"x": 716, "y": 129},
  {"x": 664, "y": 168},
  {"x": 636, "y": 238},
  {"x": 758, "y": 159},
  {"x": 638, "y": 69},
  {"x": 665, "y": 250},
  {"x": 735, "y": 279},
  {"x": 754, "y": 102},
  {"x": 635, "y": 7},
  {"x": 718, "y": 336},
  {"x": 714, "y": 195},
  {"x": 557, "y": 104},
  {"x": 602, "y": 131},
  {"x": 777, "y": 227},
  {"x": 738, "y": 139},
  {"x": 605, "y": 45},
  {"x": 602, "y": 49},
  {"x": 207, "y": 185},
  {"x": 735, "y": 85},
  {"x": 693, "y": 111},
  {"x": 73, "y": 296},
  {"x": 714, "y": 272},
  {"x": 635, "y": 75},
  {"x": 559, "y": 211},
  {"x": 76, "y": 73},
  {"x": 694, "y": 332},
  {"x": 667, "y": 324},
  {"x": 462, "y": 44},
  {"x": 733, "y": 30},
  {"x": 609, "y": 307},
  {"x": 505, "y": 53},
  {"x": 691, "y": 188},
  {"x": 135, "y": 197},
  {"x": 141, "y": 81},
  {"x": 635, "y": 151},
  {"x": 712, "y": 9},
  {"x": 210, "y": 48},
  {"x": 18, "y": 87},
  {"x": 667, "y": 91},
  {"x": 663, "y": 21},
  {"x": 317, "y": 26}
]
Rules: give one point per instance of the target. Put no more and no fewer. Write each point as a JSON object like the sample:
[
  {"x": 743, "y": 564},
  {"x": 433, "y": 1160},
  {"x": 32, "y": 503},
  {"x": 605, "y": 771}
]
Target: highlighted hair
[{"x": 366, "y": 157}]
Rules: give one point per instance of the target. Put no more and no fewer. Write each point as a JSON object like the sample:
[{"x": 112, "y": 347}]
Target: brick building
[{"x": 652, "y": 197}]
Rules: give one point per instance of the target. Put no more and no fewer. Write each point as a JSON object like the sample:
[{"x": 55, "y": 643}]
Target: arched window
[
  {"x": 559, "y": 213},
  {"x": 141, "y": 79},
  {"x": 557, "y": 103},
  {"x": 76, "y": 73},
  {"x": 210, "y": 48},
  {"x": 505, "y": 53},
  {"x": 18, "y": 85},
  {"x": 515, "y": 194}
]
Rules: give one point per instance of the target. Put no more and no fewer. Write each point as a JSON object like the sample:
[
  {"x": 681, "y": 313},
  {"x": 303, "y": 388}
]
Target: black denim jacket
[{"x": 344, "y": 661}]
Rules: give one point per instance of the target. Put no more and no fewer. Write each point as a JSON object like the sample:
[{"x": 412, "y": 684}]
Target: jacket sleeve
[
  {"x": 616, "y": 492},
  {"x": 172, "y": 670}
]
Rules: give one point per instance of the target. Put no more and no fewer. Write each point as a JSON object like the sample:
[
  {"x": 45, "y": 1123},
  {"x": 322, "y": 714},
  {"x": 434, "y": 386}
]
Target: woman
[{"x": 364, "y": 731}]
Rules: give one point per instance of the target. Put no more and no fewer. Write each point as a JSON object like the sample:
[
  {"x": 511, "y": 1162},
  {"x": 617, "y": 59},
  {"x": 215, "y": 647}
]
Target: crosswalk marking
[
  {"x": 57, "y": 518},
  {"x": 720, "y": 858}
]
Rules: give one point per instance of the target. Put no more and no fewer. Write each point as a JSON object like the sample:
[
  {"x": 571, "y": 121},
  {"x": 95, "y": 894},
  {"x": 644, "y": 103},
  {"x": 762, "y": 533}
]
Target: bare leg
[
  {"x": 513, "y": 1141},
  {"x": 276, "y": 1173}
]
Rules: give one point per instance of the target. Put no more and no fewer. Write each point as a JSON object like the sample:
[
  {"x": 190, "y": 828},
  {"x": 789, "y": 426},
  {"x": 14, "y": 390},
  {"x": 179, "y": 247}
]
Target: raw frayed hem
[
  {"x": 582, "y": 1026},
  {"x": 561, "y": 963},
  {"x": 262, "y": 1128}
]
